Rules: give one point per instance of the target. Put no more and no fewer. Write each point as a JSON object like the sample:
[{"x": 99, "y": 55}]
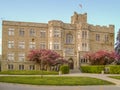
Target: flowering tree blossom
[
  {"x": 46, "y": 57},
  {"x": 101, "y": 57}
]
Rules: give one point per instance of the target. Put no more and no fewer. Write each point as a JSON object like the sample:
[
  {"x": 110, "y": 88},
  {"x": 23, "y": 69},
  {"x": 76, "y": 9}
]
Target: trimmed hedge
[
  {"x": 64, "y": 69},
  {"x": 92, "y": 69},
  {"x": 111, "y": 69},
  {"x": 114, "y": 69},
  {"x": 28, "y": 72}
]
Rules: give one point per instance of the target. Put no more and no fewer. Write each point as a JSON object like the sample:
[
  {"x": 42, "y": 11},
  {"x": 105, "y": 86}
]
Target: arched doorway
[{"x": 71, "y": 63}]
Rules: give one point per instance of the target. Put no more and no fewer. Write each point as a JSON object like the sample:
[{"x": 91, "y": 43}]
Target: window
[
  {"x": 32, "y": 32},
  {"x": 21, "y": 32},
  {"x": 69, "y": 38},
  {"x": 10, "y": 66},
  {"x": 42, "y": 34},
  {"x": 32, "y": 45},
  {"x": 11, "y": 31},
  {"x": 69, "y": 51},
  {"x": 56, "y": 46},
  {"x": 84, "y": 60},
  {"x": 42, "y": 45},
  {"x": 84, "y": 46},
  {"x": 97, "y": 37},
  {"x": 21, "y": 67},
  {"x": 106, "y": 38},
  {"x": 21, "y": 57},
  {"x": 84, "y": 34},
  {"x": 32, "y": 67},
  {"x": 21, "y": 45},
  {"x": 10, "y": 44},
  {"x": 10, "y": 56},
  {"x": 56, "y": 33}
]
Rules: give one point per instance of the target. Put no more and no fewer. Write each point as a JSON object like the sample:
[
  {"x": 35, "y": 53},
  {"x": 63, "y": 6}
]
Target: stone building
[{"x": 71, "y": 40}]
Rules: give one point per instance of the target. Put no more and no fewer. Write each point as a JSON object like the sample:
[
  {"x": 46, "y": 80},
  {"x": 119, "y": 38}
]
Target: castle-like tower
[{"x": 71, "y": 40}]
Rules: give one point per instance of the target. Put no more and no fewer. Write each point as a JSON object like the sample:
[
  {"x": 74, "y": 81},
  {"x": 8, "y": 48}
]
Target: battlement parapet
[
  {"x": 32, "y": 24},
  {"x": 99, "y": 28}
]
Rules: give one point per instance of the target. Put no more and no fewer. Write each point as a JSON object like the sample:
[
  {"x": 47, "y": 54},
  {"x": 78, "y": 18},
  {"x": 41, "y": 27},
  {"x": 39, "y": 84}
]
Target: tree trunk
[{"x": 48, "y": 67}]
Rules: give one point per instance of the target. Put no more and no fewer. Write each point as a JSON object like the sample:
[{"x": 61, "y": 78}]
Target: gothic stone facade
[{"x": 71, "y": 40}]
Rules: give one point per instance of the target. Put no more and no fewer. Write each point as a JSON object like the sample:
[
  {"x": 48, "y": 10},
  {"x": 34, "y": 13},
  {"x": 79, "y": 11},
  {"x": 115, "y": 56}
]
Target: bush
[
  {"x": 92, "y": 69},
  {"x": 29, "y": 72},
  {"x": 114, "y": 69},
  {"x": 64, "y": 69}
]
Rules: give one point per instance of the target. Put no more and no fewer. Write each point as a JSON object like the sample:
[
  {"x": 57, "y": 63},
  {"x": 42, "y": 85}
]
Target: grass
[
  {"x": 55, "y": 80},
  {"x": 32, "y": 72},
  {"x": 115, "y": 77}
]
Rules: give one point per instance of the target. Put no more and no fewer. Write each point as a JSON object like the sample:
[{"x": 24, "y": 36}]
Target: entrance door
[{"x": 71, "y": 63}]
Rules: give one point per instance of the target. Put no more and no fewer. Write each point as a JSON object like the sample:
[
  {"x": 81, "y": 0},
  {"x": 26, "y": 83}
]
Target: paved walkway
[{"x": 99, "y": 76}]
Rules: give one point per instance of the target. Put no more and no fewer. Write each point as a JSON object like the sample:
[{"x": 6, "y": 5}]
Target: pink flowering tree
[
  {"x": 101, "y": 57},
  {"x": 46, "y": 57}
]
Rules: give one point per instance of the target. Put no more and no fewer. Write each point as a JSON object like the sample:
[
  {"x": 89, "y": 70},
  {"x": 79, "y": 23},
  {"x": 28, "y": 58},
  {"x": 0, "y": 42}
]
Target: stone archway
[{"x": 71, "y": 63}]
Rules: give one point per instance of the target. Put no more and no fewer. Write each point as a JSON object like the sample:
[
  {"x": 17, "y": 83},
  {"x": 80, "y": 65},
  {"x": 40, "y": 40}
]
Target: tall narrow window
[
  {"x": 42, "y": 45},
  {"x": 21, "y": 45},
  {"x": 21, "y": 67},
  {"x": 21, "y": 57},
  {"x": 84, "y": 47},
  {"x": 32, "y": 67},
  {"x": 56, "y": 46},
  {"x": 21, "y": 32},
  {"x": 84, "y": 60},
  {"x": 106, "y": 38},
  {"x": 32, "y": 32},
  {"x": 11, "y": 31},
  {"x": 10, "y": 44},
  {"x": 97, "y": 37},
  {"x": 84, "y": 34},
  {"x": 10, "y": 66},
  {"x": 69, "y": 38},
  {"x": 56, "y": 33},
  {"x": 32, "y": 45},
  {"x": 43, "y": 34},
  {"x": 10, "y": 56}
]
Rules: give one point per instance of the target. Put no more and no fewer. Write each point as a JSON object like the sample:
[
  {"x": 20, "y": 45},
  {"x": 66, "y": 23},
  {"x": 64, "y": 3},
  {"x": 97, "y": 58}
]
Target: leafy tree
[
  {"x": 45, "y": 57},
  {"x": 101, "y": 57}
]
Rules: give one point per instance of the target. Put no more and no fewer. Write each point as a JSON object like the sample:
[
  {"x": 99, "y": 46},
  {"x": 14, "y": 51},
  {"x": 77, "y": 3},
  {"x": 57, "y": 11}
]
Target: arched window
[{"x": 69, "y": 38}]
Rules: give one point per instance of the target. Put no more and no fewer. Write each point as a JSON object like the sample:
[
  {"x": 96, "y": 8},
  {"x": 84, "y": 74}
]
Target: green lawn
[
  {"x": 115, "y": 77},
  {"x": 55, "y": 80},
  {"x": 32, "y": 72}
]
